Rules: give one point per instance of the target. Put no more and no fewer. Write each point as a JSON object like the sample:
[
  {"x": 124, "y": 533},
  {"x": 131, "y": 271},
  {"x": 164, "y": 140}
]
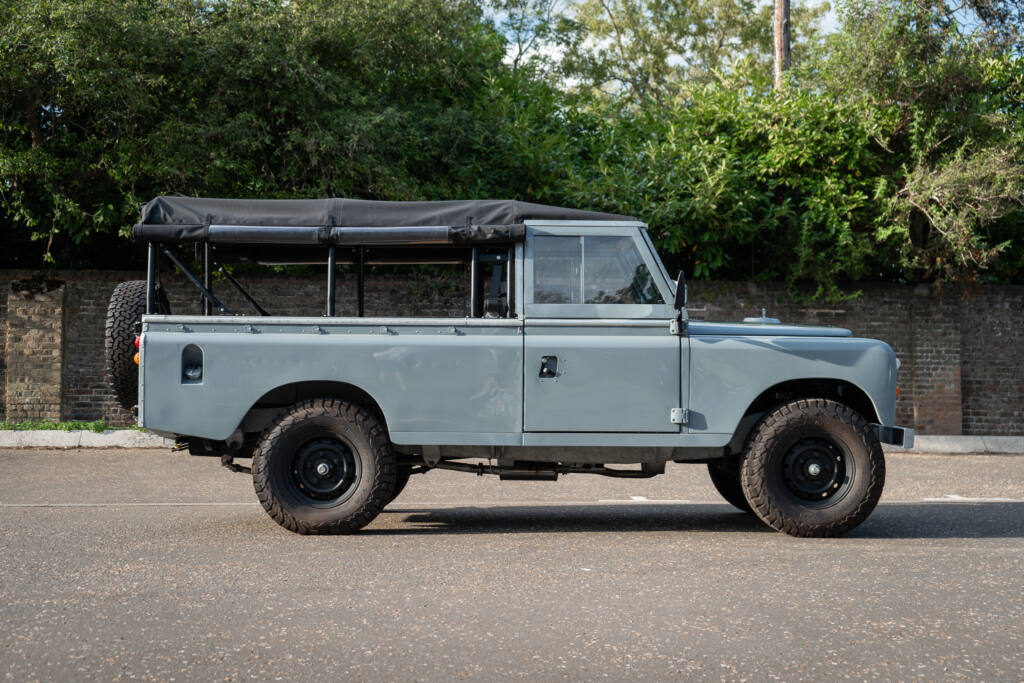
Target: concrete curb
[
  {"x": 961, "y": 445},
  {"x": 114, "y": 438},
  {"x": 130, "y": 438}
]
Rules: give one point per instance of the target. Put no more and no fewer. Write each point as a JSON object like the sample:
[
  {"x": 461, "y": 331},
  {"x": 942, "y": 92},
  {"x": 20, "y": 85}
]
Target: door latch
[{"x": 548, "y": 366}]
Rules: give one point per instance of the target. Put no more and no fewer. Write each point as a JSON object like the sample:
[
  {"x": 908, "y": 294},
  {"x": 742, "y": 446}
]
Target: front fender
[{"x": 728, "y": 373}]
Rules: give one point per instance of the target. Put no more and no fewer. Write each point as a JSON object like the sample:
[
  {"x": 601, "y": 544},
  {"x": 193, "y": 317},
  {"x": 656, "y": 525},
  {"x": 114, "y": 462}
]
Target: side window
[
  {"x": 614, "y": 273},
  {"x": 557, "y": 270},
  {"x": 591, "y": 270}
]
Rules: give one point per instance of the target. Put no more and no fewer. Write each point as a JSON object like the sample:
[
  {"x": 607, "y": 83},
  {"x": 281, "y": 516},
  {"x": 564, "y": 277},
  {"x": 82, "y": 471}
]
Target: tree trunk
[{"x": 780, "y": 29}]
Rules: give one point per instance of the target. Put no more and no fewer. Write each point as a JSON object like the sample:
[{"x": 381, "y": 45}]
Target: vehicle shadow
[{"x": 889, "y": 520}]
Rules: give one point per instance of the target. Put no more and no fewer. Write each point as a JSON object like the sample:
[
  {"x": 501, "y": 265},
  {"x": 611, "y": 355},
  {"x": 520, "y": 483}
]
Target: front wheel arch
[{"x": 836, "y": 390}]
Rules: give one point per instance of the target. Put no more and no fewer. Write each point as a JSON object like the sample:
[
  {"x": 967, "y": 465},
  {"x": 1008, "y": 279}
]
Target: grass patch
[{"x": 97, "y": 426}]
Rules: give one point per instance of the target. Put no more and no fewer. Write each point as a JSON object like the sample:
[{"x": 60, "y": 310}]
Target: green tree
[
  {"x": 658, "y": 49},
  {"x": 942, "y": 92},
  {"x": 105, "y": 105},
  {"x": 738, "y": 182}
]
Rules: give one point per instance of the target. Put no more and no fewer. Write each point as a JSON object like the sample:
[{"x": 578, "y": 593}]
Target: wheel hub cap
[
  {"x": 325, "y": 470},
  {"x": 815, "y": 470}
]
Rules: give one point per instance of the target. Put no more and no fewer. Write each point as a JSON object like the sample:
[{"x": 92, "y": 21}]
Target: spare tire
[{"x": 127, "y": 304}]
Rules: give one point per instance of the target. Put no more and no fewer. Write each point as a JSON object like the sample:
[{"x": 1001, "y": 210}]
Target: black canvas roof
[{"x": 180, "y": 219}]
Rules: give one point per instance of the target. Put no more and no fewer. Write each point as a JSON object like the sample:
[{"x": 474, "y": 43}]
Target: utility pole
[{"x": 780, "y": 31}]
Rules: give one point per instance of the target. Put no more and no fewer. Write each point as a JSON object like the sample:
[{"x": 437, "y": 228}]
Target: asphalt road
[{"x": 151, "y": 566}]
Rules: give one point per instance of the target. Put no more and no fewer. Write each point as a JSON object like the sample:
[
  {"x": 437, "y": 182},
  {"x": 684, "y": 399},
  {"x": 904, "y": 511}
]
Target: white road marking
[
  {"x": 642, "y": 499},
  {"x": 954, "y": 498}
]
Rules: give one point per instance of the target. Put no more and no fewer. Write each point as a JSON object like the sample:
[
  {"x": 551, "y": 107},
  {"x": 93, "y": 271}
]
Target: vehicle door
[{"x": 600, "y": 351}]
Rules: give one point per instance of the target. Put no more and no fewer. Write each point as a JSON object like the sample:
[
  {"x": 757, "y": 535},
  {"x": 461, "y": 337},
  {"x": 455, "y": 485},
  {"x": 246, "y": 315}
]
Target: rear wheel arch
[{"x": 280, "y": 399}]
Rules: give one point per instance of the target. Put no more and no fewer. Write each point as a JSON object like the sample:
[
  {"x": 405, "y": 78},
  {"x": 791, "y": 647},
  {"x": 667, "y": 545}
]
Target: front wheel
[
  {"x": 813, "y": 468},
  {"x": 325, "y": 467}
]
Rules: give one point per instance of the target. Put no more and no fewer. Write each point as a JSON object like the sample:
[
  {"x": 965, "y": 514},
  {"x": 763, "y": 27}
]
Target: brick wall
[
  {"x": 34, "y": 350},
  {"x": 992, "y": 361},
  {"x": 87, "y": 395},
  {"x": 3, "y": 351},
  {"x": 962, "y": 352}
]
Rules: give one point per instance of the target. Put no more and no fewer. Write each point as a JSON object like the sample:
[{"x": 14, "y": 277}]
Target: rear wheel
[
  {"x": 325, "y": 467},
  {"x": 725, "y": 475},
  {"x": 813, "y": 468}
]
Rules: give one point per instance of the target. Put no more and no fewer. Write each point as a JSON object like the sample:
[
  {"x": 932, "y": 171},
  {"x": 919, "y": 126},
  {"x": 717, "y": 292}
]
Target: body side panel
[{"x": 445, "y": 376}]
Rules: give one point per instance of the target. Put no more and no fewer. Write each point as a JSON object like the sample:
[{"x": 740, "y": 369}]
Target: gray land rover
[{"x": 575, "y": 356}]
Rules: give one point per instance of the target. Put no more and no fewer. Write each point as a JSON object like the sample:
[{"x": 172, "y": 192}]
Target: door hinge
[
  {"x": 677, "y": 327},
  {"x": 678, "y": 416}
]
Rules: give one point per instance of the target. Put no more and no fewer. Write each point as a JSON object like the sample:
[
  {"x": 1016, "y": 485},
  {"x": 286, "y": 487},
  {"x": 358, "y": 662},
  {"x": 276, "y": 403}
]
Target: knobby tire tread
[
  {"x": 772, "y": 429},
  {"x": 127, "y": 304},
  {"x": 384, "y": 473}
]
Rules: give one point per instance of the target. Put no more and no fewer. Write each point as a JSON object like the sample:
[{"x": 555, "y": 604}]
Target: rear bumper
[{"x": 896, "y": 436}]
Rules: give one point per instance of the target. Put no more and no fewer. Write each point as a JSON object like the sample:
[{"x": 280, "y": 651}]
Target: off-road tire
[
  {"x": 365, "y": 437},
  {"x": 725, "y": 475},
  {"x": 401, "y": 479},
  {"x": 767, "y": 470},
  {"x": 127, "y": 304}
]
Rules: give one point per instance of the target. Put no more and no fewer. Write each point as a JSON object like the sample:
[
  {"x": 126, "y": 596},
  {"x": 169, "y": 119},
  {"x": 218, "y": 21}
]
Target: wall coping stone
[{"x": 54, "y": 438}]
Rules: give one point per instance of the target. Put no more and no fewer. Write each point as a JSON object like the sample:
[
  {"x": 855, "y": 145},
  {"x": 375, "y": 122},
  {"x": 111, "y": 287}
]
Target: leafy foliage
[
  {"x": 896, "y": 153},
  {"x": 107, "y": 104},
  {"x": 656, "y": 49},
  {"x": 96, "y": 426},
  {"x": 741, "y": 181}
]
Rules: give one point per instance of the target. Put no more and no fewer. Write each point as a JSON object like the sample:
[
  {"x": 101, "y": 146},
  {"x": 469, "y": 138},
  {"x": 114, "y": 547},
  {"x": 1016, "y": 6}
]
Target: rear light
[
  {"x": 137, "y": 339},
  {"x": 897, "y": 389},
  {"x": 136, "y": 358}
]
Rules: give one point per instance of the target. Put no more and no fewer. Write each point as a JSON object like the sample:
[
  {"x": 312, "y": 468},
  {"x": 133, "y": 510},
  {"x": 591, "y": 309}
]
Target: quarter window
[{"x": 590, "y": 270}]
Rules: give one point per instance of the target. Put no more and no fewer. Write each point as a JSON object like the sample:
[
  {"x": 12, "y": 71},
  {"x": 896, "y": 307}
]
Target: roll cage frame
[{"x": 359, "y": 247}]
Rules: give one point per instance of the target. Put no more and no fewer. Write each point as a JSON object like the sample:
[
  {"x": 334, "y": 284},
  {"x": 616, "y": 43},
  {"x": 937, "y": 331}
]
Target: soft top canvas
[{"x": 176, "y": 219}]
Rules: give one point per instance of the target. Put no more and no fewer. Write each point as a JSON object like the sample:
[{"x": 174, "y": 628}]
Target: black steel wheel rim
[
  {"x": 325, "y": 471},
  {"x": 817, "y": 471}
]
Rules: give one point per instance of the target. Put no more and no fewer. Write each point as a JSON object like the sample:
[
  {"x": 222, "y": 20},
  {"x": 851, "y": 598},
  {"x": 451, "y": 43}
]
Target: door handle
[{"x": 548, "y": 366}]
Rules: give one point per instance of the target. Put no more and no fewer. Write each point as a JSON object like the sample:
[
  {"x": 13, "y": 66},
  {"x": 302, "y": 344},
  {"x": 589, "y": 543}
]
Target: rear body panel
[{"x": 431, "y": 376}]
